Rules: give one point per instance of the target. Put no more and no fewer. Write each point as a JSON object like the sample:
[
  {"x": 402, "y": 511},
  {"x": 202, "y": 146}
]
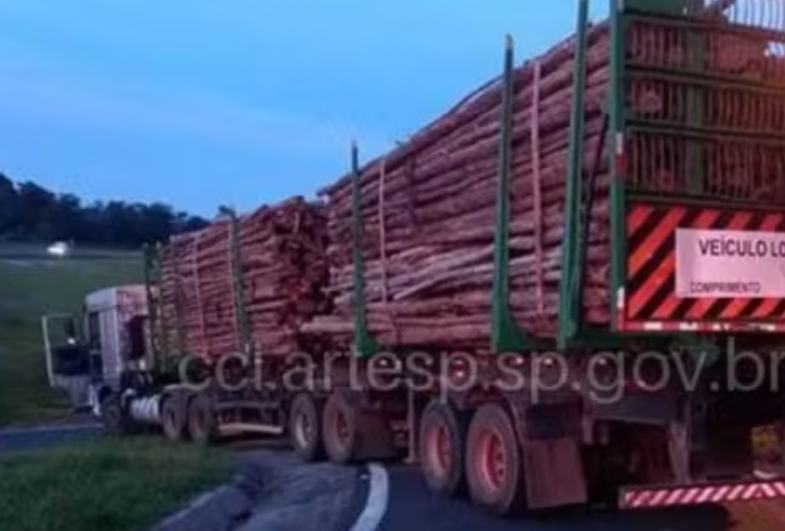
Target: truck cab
[{"x": 87, "y": 354}]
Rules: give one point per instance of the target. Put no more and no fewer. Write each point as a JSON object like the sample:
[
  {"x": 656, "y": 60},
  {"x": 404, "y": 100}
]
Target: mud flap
[
  {"x": 550, "y": 437},
  {"x": 554, "y": 473}
]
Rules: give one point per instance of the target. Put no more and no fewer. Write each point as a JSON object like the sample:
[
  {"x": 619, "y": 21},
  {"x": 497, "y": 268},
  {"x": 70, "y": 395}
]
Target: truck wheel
[
  {"x": 442, "y": 446},
  {"x": 114, "y": 417},
  {"x": 202, "y": 426},
  {"x": 493, "y": 461},
  {"x": 305, "y": 428},
  {"x": 172, "y": 421},
  {"x": 339, "y": 429}
]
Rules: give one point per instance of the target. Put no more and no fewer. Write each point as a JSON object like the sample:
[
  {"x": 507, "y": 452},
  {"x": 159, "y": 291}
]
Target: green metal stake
[
  {"x": 697, "y": 50},
  {"x": 237, "y": 282},
  {"x": 618, "y": 191},
  {"x": 162, "y": 326},
  {"x": 178, "y": 317},
  {"x": 364, "y": 344},
  {"x": 152, "y": 305},
  {"x": 569, "y": 298},
  {"x": 506, "y": 336}
]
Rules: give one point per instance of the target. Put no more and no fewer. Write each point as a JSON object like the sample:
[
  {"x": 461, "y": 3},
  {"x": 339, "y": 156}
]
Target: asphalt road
[
  {"x": 324, "y": 497},
  {"x": 411, "y": 506},
  {"x": 46, "y": 437}
]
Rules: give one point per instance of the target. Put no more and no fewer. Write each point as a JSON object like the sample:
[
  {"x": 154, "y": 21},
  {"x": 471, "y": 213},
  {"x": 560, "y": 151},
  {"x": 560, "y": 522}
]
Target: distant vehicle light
[{"x": 58, "y": 249}]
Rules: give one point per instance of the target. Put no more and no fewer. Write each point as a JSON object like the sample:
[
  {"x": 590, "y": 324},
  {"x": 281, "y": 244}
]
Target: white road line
[{"x": 378, "y": 496}]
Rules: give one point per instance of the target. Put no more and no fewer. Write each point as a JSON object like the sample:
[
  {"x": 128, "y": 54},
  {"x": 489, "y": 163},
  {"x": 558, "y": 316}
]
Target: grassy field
[
  {"x": 117, "y": 484},
  {"x": 32, "y": 284}
]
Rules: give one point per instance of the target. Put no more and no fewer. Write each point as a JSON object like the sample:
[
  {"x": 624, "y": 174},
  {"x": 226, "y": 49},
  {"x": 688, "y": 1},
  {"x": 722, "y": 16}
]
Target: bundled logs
[
  {"x": 284, "y": 271},
  {"x": 428, "y": 210},
  {"x": 428, "y": 214},
  {"x": 197, "y": 304},
  {"x": 279, "y": 263}
]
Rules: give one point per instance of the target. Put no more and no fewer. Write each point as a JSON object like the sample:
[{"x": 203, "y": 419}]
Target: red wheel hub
[
  {"x": 440, "y": 449},
  {"x": 493, "y": 459}
]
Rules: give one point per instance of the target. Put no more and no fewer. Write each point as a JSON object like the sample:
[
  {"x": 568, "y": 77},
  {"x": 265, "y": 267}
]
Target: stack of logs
[
  {"x": 428, "y": 217},
  {"x": 284, "y": 271},
  {"x": 428, "y": 213},
  {"x": 281, "y": 268},
  {"x": 177, "y": 302}
]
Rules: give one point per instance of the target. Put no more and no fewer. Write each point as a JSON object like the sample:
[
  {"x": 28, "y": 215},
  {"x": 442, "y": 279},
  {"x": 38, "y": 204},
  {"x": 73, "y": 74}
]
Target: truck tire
[
  {"x": 305, "y": 428},
  {"x": 340, "y": 430},
  {"x": 173, "y": 421},
  {"x": 202, "y": 425},
  {"x": 114, "y": 416},
  {"x": 494, "y": 464},
  {"x": 442, "y": 445}
]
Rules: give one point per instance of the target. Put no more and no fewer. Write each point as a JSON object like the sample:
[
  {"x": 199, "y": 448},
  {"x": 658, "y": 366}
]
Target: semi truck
[{"x": 664, "y": 284}]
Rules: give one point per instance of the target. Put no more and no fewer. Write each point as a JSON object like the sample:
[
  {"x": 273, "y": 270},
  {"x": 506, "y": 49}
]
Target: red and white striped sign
[{"x": 701, "y": 494}]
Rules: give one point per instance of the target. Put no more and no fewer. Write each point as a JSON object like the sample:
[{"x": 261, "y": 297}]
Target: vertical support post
[
  {"x": 152, "y": 305},
  {"x": 198, "y": 289},
  {"x": 618, "y": 194},
  {"x": 697, "y": 50},
  {"x": 162, "y": 326},
  {"x": 569, "y": 298},
  {"x": 241, "y": 310},
  {"x": 587, "y": 212},
  {"x": 537, "y": 186},
  {"x": 181, "y": 337},
  {"x": 505, "y": 334},
  {"x": 364, "y": 344},
  {"x": 383, "y": 229}
]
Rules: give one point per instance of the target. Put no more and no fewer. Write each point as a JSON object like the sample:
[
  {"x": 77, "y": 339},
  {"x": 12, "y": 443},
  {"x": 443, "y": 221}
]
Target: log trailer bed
[{"x": 622, "y": 195}]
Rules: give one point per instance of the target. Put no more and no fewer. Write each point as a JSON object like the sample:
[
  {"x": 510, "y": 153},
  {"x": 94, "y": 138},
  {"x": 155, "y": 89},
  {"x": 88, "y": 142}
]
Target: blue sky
[{"x": 242, "y": 102}]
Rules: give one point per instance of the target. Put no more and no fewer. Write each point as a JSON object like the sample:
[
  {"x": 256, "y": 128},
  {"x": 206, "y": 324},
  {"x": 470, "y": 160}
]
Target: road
[
  {"x": 411, "y": 506},
  {"x": 304, "y": 497},
  {"x": 46, "y": 436}
]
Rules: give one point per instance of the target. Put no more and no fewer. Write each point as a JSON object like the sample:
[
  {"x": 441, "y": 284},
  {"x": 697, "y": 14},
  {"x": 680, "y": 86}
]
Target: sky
[{"x": 200, "y": 103}]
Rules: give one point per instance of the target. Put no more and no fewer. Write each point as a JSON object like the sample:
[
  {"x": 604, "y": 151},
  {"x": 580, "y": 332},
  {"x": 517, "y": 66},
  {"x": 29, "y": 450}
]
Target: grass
[
  {"x": 32, "y": 284},
  {"x": 117, "y": 484}
]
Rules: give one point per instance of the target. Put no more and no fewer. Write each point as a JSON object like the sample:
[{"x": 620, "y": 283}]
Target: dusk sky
[{"x": 199, "y": 103}]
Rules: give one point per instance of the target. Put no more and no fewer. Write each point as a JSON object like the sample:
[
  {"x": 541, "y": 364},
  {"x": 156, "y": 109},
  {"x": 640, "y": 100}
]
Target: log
[
  {"x": 428, "y": 216},
  {"x": 282, "y": 268}
]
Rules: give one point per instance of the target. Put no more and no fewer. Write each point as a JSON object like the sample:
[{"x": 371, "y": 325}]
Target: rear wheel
[
  {"x": 202, "y": 426},
  {"x": 305, "y": 428},
  {"x": 339, "y": 429},
  {"x": 172, "y": 421},
  {"x": 441, "y": 448},
  {"x": 494, "y": 469}
]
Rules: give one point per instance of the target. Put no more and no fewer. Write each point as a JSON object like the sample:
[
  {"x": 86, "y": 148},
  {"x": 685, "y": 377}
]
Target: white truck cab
[{"x": 86, "y": 354}]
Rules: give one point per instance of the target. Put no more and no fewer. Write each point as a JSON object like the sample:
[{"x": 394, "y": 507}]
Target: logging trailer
[{"x": 677, "y": 174}]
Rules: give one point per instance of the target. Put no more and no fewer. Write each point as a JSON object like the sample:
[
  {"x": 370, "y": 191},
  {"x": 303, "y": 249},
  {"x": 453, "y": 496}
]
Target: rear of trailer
[{"x": 659, "y": 254}]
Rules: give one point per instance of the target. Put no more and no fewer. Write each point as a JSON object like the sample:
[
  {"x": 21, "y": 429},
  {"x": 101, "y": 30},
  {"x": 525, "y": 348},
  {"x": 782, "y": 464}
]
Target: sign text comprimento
[{"x": 729, "y": 264}]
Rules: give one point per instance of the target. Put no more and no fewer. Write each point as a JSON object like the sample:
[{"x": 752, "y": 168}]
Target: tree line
[{"x": 30, "y": 212}]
